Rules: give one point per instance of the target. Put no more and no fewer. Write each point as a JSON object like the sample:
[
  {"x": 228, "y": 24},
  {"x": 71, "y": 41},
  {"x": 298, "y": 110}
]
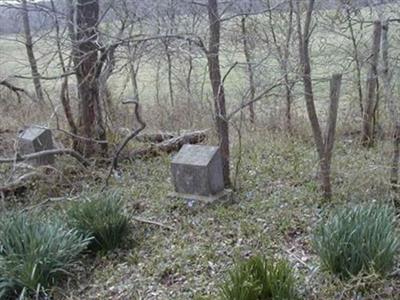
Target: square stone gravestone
[
  {"x": 35, "y": 139},
  {"x": 197, "y": 173}
]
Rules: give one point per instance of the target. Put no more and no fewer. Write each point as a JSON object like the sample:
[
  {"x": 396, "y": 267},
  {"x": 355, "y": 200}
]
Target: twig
[
  {"x": 76, "y": 136},
  {"x": 45, "y": 77},
  {"x": 229, "y": 71},
  {"x": 258, "y": 98},
  {"x": 298, "y": 259},
  {"x": 153, "y": 223},
  {"x": 14, "y": 89}
]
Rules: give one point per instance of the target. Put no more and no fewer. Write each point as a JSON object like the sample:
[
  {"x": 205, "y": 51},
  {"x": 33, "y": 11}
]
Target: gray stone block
[
  {"x": 35, "y": 139},
  {"x": 197, "y": 170}
]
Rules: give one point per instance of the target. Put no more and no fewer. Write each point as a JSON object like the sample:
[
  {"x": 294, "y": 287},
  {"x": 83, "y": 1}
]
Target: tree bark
[
  {"x": 214, "y": 71},
  {"x": 335, "y": 85},
  {"x": 29, "y": 50},
  {"x": 90, "y": 115},
  {"x": 367, "y": 138}
]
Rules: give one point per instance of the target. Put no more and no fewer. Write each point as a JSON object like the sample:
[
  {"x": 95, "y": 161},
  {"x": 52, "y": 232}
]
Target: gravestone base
[{"x": 198, "y": 200}]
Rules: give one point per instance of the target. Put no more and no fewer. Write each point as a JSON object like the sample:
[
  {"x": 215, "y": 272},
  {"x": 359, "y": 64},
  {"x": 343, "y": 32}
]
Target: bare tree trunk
[
  {"x": 91, "y": 119},
  {"x": 304, "y": 38},
  {"x": 285, "y": 70},
  {"x": 29, "y": 50},
  {"x": 217, "y": 86},
  {"x": 367, "y": 138},
  {"x": 64, "y": 94},
  {"x": 189, "y": 77},
  {"x": 169, "y": 72},
  {"x": 324, "y": 145},
  {"x": 157, "y": 83},
  {"x": 393, "y": 108},
  {"x": 134, "y": 70},
  {"x": 283, "y": 59},
  {"x": 189, "y": 85},
  {"x": 357, "y": 61},
  {"x": 250, "y": 72},
  {"x": 335, "y": 85}
]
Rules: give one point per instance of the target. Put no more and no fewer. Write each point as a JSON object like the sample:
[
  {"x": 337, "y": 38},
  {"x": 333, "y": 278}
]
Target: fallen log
[
  {"x": 168, "y": 146},
  {"x": 154, "y": 137},
  {"x": 18, "y": 184}
]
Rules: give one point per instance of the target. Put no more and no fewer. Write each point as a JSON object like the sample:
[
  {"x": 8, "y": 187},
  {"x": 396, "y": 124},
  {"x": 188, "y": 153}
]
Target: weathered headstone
[
  {"x": 197, "y": 173},
  {"x": 35, "y": 139}
]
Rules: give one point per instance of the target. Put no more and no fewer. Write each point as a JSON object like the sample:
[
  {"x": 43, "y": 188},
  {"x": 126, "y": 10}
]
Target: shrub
[
  {"x": 259, "y": 279},
  {"x": 101, "y": 216},
  {"x": 358, "y": 239},
  {"x": 35, "y": 254}
]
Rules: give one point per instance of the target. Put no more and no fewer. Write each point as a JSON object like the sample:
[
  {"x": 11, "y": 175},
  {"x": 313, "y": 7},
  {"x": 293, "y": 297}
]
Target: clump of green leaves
[
  {"x": 259, "y": 279},
  {"x": 35, "y": 254},
  {"x": 101, "y": 216},
  {"x": 358, "y": 240}
]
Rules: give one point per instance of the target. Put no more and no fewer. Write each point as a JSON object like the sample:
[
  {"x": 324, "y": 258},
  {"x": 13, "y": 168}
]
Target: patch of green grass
[
  {"x": 101, "y": 216},
  {"x": 358, "y": 239},
  {"x": 35, "y": 254},
  {"x": 259, "y": 279}
]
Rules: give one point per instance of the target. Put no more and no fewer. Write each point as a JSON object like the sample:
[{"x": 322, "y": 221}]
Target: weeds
[
  {"x": 35, "y": 254},
  {"x": 101, "y": 216},
  {"x": 358, "y": 239},
  {"x": 259, "y": 279}
]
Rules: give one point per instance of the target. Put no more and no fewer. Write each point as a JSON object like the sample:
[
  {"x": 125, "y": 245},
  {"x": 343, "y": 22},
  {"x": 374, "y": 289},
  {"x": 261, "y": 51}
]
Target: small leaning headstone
[
  {"x": 197, "y": 173},
  {"x": 35, "y": 139}
]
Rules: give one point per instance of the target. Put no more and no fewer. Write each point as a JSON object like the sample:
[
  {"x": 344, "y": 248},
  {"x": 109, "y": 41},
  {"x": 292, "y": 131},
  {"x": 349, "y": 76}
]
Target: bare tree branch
[{"x": 35, "y": 155}]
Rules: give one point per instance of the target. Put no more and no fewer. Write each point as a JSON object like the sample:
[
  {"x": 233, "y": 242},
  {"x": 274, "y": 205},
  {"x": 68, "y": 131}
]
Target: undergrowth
[
  {"x": 101, "y": 216},
  {"x": 259, "y": 279},
  {"x": 359, "y": 239},
  {"x": 35, "y": 254}
]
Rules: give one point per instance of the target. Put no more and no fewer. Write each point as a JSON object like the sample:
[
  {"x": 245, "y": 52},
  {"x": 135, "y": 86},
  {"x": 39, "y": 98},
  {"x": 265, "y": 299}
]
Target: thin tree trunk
[
  {"x": 308, "y": 87},
  {"x": 169, "y": 72},
  {"x": 64, "y": 95},
  {"x": 393, "y": 108},
  {"x": 357, "y": 61},
  {"x": 367, "y": 138},
  {"x": 189, "y": 76},
  {"x": 250, "y": 72},
  {"x": 157, "y": 82},
  {"x": 29, "y": 50},
  {"x": 134, "y": 71},
  {"x": 283, "y": 60},
  {"x": 323, "y": 144},
  {"x": 335, "y": 85},
  {"x": 189, "y": 85},
  {"x": 285, "y": 70},
  {"x": 217, "y": 86}
]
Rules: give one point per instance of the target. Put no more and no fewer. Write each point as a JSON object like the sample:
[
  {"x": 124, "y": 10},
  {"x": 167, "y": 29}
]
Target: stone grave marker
[
  {"x": 35, "y": 139},
  {"x": 197, "y": 173}
]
